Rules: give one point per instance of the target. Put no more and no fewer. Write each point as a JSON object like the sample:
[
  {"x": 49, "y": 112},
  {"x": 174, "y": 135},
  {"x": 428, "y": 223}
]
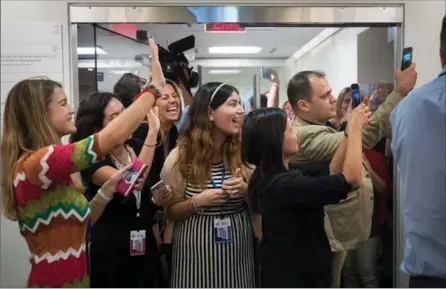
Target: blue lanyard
[{"x": 214, "y": 185}]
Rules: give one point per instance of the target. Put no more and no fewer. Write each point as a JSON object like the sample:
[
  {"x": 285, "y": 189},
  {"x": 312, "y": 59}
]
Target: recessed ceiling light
[
  {"x": 234, "y": 49},
  {"x": 224, "y": 71},
  {"x": 90, "y": 51}
]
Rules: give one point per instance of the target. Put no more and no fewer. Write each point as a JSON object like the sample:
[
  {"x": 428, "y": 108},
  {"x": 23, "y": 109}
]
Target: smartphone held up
[
  {"x": 406, "y": 60},
  {"x": 128, "y": 181},
  {"x": 356, "y": 95}
]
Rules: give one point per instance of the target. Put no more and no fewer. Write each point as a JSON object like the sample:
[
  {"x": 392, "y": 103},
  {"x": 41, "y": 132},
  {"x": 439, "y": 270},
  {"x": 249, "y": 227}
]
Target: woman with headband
[{"x": 213, "y": 235}]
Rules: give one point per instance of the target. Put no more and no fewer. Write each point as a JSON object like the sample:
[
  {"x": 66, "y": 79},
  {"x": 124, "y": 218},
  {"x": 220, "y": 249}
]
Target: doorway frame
[{"x": 311, "y": 14}]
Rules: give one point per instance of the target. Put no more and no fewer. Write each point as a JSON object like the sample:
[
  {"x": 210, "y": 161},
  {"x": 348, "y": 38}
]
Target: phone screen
[
  {"x": 157, "y": 190},
  {"x": 406, "y": 58},
  {"x": 266, "y": 73},
  {"x": 130, "y": 177},
  {"x": 356, "y": 95}
]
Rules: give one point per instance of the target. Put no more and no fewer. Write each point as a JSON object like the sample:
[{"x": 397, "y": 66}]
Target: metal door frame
[{"x": 283, "y": 12}]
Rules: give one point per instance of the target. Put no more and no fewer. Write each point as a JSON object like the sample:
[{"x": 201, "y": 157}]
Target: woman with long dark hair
[
  {"x": 294, "y": 250},
  {"x": 112, "y": 262},
  {"x": 169, "y": 112}
]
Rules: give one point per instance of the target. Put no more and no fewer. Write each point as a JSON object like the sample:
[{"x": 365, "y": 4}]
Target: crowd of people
[{"x": 297, "y": 196}]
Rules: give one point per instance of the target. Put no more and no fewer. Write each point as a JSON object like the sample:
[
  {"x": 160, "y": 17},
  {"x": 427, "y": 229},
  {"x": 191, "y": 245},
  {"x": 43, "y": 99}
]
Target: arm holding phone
[
  {"x": 319, "y": 143},
  {"x": 105, "y": 194},
  {"x": 273, "y": 94},
  {"x": 104, "y": 173}
]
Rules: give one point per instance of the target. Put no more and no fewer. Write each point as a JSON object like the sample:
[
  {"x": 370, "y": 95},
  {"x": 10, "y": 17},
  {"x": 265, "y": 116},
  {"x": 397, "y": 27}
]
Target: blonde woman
[
  {"x": 36, "y": 172},
  {"x": 213, "y": 242}
]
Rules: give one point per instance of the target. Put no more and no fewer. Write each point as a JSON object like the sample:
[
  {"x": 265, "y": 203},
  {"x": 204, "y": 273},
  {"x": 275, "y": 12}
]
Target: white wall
[
  {"x": 243, "y": 81},
  {"x": 421, "y": 31},
  {"x": 376, "y": 61},
  {"x": 336, "y": 56}
]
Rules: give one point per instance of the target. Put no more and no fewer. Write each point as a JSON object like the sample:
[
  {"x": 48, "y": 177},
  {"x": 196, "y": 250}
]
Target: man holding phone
[
  {"x": 311, "y": 97},
  {"x": 418, "y": 145}
]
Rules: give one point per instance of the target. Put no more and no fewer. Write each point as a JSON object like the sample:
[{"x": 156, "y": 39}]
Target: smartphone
[
  {"x": 266, "y": 73},
  {"x": 126, "y": 185},
  {"x": 157, "y": 190},
  {"x": 356, "y": 95},
  {"x": 406, "y": 60}
]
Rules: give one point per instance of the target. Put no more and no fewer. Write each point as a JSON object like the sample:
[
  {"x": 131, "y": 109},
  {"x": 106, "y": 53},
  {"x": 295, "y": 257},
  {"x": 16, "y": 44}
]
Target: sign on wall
[{"x": 29, "y": 50}]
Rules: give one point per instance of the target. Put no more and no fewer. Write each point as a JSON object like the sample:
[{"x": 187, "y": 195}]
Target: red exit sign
[{"x": 224, "y": 27}]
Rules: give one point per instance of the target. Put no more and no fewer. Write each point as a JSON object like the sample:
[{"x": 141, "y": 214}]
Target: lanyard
[
  {"x": 119, "y": 166},
  {"x": 214, "y": 185}
]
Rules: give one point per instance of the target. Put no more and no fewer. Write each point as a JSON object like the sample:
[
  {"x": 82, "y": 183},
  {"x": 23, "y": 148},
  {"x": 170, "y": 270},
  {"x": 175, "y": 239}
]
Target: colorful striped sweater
[{"x": 53, "y": 214}]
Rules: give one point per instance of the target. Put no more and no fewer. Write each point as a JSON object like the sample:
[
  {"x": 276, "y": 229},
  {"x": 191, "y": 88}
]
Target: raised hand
[
  {"x": 157, "y": 78},
  {"x": 359, "y": 117},
  {"x": 406, "y": 79},
  {"x": 153, "y": 120}
]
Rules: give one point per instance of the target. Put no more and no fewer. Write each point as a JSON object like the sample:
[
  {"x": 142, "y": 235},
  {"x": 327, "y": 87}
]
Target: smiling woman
[{"x": 212, "y": 228}]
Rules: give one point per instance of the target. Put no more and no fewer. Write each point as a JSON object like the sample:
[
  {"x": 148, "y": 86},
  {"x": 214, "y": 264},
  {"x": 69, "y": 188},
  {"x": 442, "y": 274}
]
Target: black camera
[{"x": 175, "y": 65}]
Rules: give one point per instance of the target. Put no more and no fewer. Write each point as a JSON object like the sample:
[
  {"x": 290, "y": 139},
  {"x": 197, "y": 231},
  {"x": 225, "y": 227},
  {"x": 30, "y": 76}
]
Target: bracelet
[
  {"x": 99, "y": 204},
  {"x": 152, "y": 90},
  {"x": 150, "y": 145},
  {"x": 103, "y": 196},
  {"x": 192, "y": 201}
]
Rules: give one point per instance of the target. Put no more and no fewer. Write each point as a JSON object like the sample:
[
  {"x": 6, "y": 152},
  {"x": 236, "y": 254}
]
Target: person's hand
[
  {"x": 359, "y": 117},
  {"x": 109, "y": 187},
  {"x": 235, "y": 186},
  {"x": 163, "y": 197},
  {"x": 274, "y": 76},
  {"x": 406, "y": 79},
  {"x": 211, "y": 197},
  {"x": 140, "y": 183},
  {"x": 157, "y": 76},
  {"x": 153, "y": 121}
]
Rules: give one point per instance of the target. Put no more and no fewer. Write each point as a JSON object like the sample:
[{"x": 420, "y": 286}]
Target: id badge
[
  {"x": 222, "y": 230},
  {"x": 138, "y": 243}
]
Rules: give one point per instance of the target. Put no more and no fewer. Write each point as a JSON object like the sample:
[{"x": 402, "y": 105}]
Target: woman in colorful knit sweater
[{"x": 36, "y": 171}]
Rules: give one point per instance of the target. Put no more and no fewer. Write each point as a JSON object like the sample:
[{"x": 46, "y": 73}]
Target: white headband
[{"x": 215, "y": 92}]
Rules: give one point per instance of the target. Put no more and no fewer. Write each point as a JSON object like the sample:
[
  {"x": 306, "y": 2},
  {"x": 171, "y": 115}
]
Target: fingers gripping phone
[
  {"x": 266, "y": 73},
  {"x": 406, "y": 60},
  {"x": 356, "y": 95},
  {"x": 128, "y": 181}
]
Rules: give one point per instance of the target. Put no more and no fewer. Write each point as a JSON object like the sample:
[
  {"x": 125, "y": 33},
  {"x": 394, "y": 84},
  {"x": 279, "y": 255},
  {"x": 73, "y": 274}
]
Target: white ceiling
[{"x": 276, "y": 42}]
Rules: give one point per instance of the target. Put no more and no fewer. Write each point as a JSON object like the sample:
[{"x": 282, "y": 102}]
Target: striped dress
[
  {"x": 53, "y": 215},
  {"x": 198, "y": 261}
]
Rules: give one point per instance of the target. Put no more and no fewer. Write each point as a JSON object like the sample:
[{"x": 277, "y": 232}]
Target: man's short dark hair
[
  {"x": 263, "y": 100},
  {"x": 299, "y": 87},
  {"x": 443, "y": 38}
]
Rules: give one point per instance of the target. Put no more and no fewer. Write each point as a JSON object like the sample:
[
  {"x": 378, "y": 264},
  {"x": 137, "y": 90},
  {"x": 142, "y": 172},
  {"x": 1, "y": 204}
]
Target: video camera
[{"x": 175, "y": 65}]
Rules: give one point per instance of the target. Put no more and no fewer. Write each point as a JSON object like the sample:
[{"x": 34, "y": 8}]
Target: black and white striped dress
[{"x": 197, "y": 261}]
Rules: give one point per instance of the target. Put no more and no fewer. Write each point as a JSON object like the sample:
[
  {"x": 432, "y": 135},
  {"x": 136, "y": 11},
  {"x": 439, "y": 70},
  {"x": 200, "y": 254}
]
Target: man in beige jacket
[{"x": 310, "y": 95}]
